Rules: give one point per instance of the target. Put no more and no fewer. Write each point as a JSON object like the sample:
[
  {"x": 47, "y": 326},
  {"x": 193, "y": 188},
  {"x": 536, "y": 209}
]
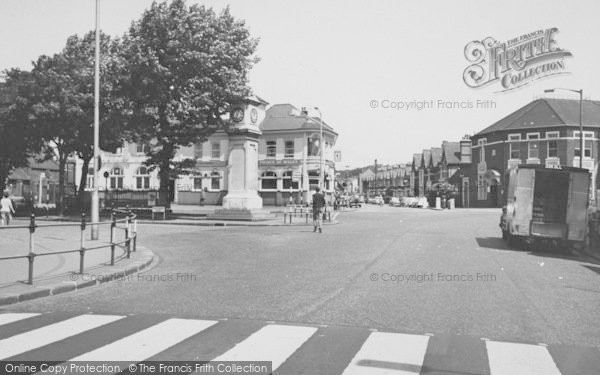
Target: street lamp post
[
  {"x": 321, "y": 149},
  {"x": 95, "y": 197},
  {"x": 580, "y": 92}
]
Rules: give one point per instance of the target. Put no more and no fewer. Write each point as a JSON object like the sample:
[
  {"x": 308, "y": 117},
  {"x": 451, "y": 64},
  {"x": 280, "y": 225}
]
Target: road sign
[{"x": 337, "y": 156}]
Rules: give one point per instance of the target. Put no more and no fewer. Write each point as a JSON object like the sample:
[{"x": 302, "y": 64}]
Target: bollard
[
  {"x": 127, "y": 244},
  {"x": 113, "y": 224},
  {"x": 30, "y": 257},
  {"x": 31, "y": 254},
  {"x": 32, "y": 227},
  {"x": 135, "y": 234},
  {"x": 81, "y": 260},
  {"x": 82, "y": 230}
]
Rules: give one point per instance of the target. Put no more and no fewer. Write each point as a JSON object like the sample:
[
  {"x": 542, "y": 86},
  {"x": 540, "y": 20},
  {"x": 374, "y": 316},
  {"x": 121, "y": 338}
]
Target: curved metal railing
[{"x": 127, "y": 223}]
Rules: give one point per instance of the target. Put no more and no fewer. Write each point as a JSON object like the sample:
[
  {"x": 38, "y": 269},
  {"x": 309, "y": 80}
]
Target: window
[
  {"x": 288, "y": 182},
  {"x": 198, "y": 151},
  {"x": 289, "y": 149},
  {"x": 141, "y": 148},
  {"x": 90, "y": 178},
  {"x": 587, "y": 144},
  {"x": 142, "y": 178},
  {"x": 313, "y": 179},
  {"x": 269, "y": 180},
  {"x": 533, "y": 145},
  {"x": 197, "y": 182},
  {"x": 271, "y": 149},
  {"x": 514, "y": 145},
  {"x": 552, "y": 144},
  {"x": 215, "y": 180},
  {"x": 216, "y": 150},
  {"x": 116, "y": 178},
  {"x": 314, "y": 145}
]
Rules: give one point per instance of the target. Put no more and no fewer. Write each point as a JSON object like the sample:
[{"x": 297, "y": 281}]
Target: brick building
[{"x": 546, "y": 132}]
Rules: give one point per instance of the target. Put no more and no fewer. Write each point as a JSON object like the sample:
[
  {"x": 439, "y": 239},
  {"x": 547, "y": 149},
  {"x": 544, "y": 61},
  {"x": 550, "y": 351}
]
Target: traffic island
[{"x": 21, "y": 292}]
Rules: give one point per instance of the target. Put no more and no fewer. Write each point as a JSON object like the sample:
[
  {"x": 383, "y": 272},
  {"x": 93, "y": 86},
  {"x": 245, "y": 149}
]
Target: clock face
[
  {"x": 253, "y": 115},
  {"x": 238, "y": 115}
]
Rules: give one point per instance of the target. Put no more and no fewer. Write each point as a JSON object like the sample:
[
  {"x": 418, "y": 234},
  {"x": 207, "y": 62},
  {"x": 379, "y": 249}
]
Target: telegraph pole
[{"x": 95, "y": 198}]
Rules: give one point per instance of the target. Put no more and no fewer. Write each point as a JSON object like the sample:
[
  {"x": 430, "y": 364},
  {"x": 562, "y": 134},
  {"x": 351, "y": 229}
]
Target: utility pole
[{"x": 95, "y": 197}]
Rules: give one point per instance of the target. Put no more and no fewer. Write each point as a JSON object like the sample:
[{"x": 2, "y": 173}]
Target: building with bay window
[{"x": 289, "y": 161}]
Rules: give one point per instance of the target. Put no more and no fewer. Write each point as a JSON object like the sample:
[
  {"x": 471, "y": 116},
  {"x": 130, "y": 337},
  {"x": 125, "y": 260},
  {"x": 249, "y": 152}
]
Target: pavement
[
  {"x": 59, "y": 273},
  {"x": 440, "y": 287}
]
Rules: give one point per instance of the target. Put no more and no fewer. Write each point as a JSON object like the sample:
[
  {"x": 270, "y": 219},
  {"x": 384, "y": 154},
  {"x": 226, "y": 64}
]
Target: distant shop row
[{"x": 473, "y": 170}]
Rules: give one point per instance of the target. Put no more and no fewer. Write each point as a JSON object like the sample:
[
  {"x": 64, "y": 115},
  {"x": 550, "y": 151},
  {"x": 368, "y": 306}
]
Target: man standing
[
  {"x": 318, "y": 202},
  {"x": 6, "y": 209}
]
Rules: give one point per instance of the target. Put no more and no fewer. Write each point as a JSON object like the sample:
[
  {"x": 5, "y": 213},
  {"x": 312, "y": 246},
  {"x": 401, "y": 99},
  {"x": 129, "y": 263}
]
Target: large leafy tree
[
  {"x": 19, "y": 140},
  {"x": 185, "y": 67},
  {"x": 62, "y": 102},
  {"x": 79, "y": 55}
]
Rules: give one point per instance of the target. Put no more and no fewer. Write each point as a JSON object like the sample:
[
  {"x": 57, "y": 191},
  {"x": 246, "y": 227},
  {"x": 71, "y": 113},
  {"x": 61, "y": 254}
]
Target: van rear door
[
  {"x": 523, "y": 201},
  {"x": 577, "y": 208}
]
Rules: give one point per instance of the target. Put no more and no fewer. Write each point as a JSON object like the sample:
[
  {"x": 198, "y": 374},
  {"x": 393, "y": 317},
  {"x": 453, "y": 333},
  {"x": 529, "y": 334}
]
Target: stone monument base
[{"x": 244, "y": 214}]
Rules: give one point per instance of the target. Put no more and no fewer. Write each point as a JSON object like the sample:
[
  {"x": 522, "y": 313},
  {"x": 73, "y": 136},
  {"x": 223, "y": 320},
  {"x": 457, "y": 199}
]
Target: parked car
[
  {"x": 355, "y": 201},
  {"x": 395, "y": 202}
]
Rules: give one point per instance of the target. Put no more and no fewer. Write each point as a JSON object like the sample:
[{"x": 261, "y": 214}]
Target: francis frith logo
[{"x": 516, "y": 62}]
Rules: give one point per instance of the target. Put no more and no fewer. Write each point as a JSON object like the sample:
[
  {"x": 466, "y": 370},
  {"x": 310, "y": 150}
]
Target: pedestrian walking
[
  {"x": 6, "y": 209},
  {"x": 318, "y": 209}
]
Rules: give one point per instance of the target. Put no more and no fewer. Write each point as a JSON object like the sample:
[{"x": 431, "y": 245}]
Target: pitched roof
[
  {"x": 288, "y": 117},
  {"x": 436, "y": 156},
  {"x": 451, "y": 152},
  {"x": 548, "y": 112}
]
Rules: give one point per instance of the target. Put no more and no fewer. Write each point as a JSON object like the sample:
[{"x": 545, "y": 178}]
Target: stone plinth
[{"x": 242, "y": 201}]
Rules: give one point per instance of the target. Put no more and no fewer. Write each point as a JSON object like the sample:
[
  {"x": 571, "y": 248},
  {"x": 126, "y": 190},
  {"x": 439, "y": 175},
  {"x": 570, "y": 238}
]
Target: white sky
[{"x": 340, "y": 55}]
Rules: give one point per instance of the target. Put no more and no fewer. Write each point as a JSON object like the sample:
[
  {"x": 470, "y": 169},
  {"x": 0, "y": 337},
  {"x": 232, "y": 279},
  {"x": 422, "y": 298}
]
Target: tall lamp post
[
  {"x": 95, "y": 197},
  {"x": 321, "y": 149},
  {"x": 580, "y": 92}
]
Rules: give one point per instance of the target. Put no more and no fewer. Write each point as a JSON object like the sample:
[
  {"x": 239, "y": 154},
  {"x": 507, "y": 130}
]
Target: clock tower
[{"x": 242, "y": 201}]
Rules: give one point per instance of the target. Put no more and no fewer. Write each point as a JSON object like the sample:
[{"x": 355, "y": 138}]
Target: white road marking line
[
  {"x": 516, "y": 359},
  {"x": 275, "y": 343},
  {"x": 15, "y": 317},
  {"x": 148, "y": 342},
  {"x": 52, "y": 333},
  {"x": 385, "y": 353}
]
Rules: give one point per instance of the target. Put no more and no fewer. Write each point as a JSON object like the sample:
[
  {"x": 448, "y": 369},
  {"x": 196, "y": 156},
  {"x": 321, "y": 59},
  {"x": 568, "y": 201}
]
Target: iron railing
[{"x": 127, "y": 223}]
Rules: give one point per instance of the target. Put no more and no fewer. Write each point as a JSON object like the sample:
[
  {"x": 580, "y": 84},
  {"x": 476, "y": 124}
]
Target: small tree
[
  {"x": 18, "y": 139},
  {"x": 185, "y": 66}
]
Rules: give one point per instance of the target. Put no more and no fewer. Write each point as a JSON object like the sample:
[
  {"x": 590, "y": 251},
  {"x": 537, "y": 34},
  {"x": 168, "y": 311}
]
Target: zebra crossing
[{"x": 291, "y": 348}]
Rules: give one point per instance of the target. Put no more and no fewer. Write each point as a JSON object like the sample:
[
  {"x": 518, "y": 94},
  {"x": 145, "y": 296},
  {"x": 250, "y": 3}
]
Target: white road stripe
[
  {"x": 15, "y": 317},
  {"x": 389, "y": 353},
  {"x": 519, "y": 359},
  {"x": 52, "y": 333},
  {"x": 148, "y": 342},
  {"x": 275, "y": 343}
]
